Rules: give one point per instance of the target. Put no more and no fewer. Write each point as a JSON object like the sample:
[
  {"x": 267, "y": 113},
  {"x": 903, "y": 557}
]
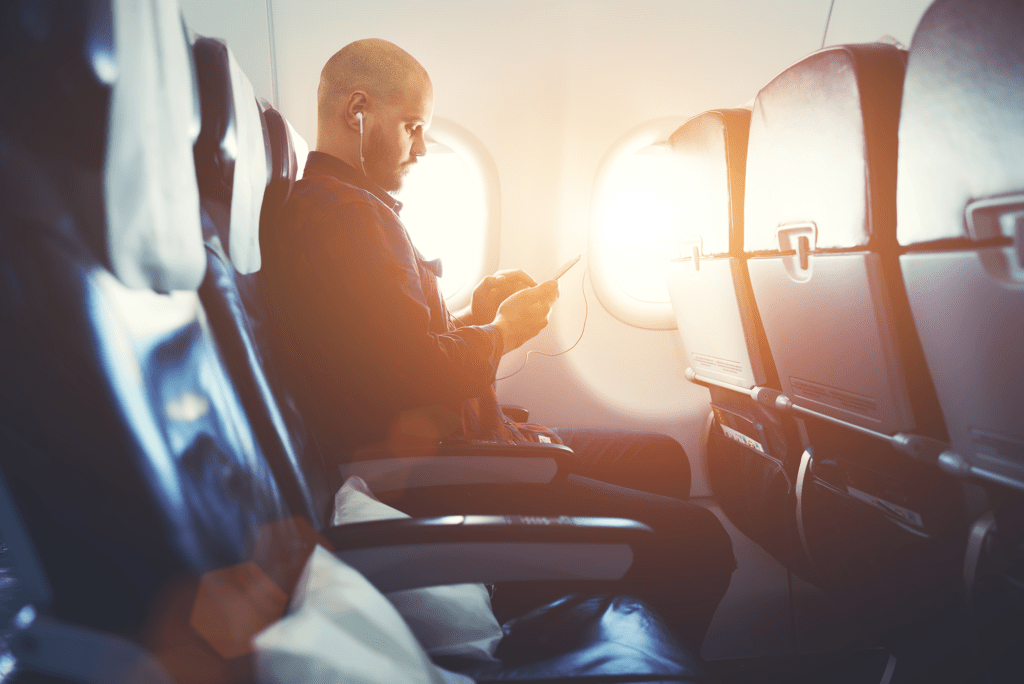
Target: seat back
[
  {"x": 881, "y": 528},
  {"x": 283, "y": 143},
  {"x": 752, "y": 450},
  {"x": 124, "y": 443},
  {"x": 708, "y": 284},
  {"x": 820, "y": 229},
  {"x": 241, "y": 184},
  {"x": 961, "y": 222}
]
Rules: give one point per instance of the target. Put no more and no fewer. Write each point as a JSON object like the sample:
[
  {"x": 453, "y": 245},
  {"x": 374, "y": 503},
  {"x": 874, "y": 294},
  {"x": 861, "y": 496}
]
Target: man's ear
[{"x": 357, "y": 103}]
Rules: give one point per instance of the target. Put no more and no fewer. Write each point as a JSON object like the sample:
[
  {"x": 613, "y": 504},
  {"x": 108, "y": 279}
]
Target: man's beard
[{"x": 376, "y": 156}]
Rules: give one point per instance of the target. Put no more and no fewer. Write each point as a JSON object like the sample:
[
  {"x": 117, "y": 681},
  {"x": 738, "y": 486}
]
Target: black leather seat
[
  {"x": 236, "y": 316},
  {"x": 231, "y": 295},
  {"x": 125, "y": 446},
  {"x": 228, "y": 295}
]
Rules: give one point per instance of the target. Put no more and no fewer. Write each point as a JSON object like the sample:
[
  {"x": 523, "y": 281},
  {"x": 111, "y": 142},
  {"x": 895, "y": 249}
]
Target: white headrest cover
[
  {"x": 301, "y": 149},
  {"x": 250, "y": 180},
  {"x": 154, "y": 237}
]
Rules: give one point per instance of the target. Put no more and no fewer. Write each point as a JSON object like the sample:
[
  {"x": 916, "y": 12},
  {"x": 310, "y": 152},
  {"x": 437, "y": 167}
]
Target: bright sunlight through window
[
  {"x": 635, "y": 225},
  {"x": 638, "y": 221},
  {"x": 445, "y": 212}
]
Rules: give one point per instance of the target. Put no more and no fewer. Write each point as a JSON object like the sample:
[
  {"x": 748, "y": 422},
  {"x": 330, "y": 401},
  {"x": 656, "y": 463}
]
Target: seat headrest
[
  {"x": 57, "y": 57},
  {"x": 283, "y": 164},
  {"x": 232, "y": 159},
  {"x": 822, "y": 148},
  {"x": 216, "y": 148},
  {"x": 712, "y": 149},
  {"x": 59, "y": 67},
  {"x": 154, "y": 239},
  {"x": 962, "y": 125}
]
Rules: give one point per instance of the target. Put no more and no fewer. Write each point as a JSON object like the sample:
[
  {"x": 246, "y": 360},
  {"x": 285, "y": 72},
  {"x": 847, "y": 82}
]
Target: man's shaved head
[
  {"x": 379, "y": 68},
  {"x": 374, "y": 105}
]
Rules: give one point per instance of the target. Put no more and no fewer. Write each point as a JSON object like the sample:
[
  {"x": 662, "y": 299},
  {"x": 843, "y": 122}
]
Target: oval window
[{"x": 636, "y": 225}]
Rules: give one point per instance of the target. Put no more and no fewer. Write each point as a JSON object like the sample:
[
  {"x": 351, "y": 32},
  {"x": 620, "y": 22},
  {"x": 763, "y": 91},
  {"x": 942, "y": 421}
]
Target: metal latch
[
  {"x": 796, "y": 242},
  {"x": 1013, "y": 228},
  {"x": 999, "y": 222},
  {"x": 690, "y": 249}
]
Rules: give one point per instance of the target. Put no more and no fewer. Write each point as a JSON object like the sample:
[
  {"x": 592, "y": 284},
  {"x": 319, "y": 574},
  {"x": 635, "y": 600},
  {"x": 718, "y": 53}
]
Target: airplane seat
[
  {"x": 240, "y": 199},
  {"x": 877, "y": 519},
  {"x": 753, "y": 451},
  {"x": 820, "y": 234},
  {"x": 284, "y": 143},
  {"x": 239, "y": 317},
  {"x": 959, "y": 199},
  {"x": 124, "y": 443},
  {"x": 242, "y": 162},
  {"x": 960, "y": 202},
  {"x": 230, "y": 296}
]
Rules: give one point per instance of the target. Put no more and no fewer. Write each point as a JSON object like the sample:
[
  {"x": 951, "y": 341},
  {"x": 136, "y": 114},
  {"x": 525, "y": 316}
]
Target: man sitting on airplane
[{"x": 374, "y": 357}]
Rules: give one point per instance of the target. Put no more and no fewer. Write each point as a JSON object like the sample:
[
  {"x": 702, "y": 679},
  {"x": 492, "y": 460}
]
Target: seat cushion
[
  {"x": 586, "y": 635},
  {"x": 339, "y": 628}
]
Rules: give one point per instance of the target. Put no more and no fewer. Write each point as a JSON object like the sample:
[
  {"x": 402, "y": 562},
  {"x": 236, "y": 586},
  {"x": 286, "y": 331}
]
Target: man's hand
[
  {"x": 525, "y": 313},
  {"x": 492, "y": 291}
]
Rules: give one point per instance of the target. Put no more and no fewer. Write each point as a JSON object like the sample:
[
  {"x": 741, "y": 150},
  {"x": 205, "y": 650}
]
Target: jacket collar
[{"x": 321, "y": 162}]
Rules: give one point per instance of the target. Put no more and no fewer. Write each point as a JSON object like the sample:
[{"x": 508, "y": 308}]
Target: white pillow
[
  {"x": 340, "y": 629},
  {"x": 449, "y": 620}
]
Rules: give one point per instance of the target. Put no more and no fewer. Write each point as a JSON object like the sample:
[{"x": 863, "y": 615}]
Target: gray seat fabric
[
  {"x": 708, "y": 284},
  {"x": 960, "y": 201},
  {"x": 753, "y": 450},
  {"x": 820, "y": 232},
  {"x": 882, "y": 529}
]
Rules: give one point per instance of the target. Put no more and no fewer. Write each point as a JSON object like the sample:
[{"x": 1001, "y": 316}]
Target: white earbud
[{"x": 362, "y": 160}]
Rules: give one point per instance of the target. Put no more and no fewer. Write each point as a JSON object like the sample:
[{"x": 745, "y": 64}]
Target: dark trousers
[
  {"x": 644, "y": 461},
  {"x": 682, "y": 573}
]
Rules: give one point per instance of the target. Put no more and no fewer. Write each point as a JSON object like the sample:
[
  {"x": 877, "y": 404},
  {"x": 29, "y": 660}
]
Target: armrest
[
  {"x": 457, "y": 463},
  {"x": 421, "y": 552}
]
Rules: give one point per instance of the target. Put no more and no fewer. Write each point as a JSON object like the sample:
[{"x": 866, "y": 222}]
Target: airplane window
[
  {"x": 640, "y": 215},
  {"x": 450, "y": 199},
  {"x": 636, "y": 227}
]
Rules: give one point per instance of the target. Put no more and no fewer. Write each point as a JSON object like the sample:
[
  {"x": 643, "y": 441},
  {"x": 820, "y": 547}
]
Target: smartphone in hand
[{"x": 566, "y": 266}]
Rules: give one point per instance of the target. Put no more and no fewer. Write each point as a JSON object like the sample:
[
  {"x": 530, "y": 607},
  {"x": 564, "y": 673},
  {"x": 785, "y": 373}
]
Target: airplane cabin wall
[
  {"x": 245, "y": 26},
  {"x": 548, "y": 88}
]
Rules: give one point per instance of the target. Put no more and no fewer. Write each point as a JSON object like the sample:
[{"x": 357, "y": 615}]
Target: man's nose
[{"x": 419, "y": 146}]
